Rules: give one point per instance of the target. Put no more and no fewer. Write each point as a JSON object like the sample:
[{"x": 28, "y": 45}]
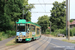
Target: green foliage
[
  {"x": 71, "y": 34},
  {"x": 53, "y": 33},
  {"x": 47, "y": 31},
  {"x": 58, "y": 16},
  {"x": 63, "y": 31},
  {"x": 14, "y": 9},
  {"x": 0, "y": 39},
  {"x": 71, "y": 20},
  {"x": 43, "y": 21},
  {"x": 73, "y": 31},
  {"x": 10, "y": 33},
  {"x": 11, "y": 11},
  {"x": 0, "y": 36},
  {"x": 7, "y": 34}
]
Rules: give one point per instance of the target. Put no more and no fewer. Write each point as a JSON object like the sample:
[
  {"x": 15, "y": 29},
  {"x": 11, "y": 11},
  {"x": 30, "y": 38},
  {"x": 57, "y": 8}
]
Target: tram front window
[{"x": 20, "y": 28}]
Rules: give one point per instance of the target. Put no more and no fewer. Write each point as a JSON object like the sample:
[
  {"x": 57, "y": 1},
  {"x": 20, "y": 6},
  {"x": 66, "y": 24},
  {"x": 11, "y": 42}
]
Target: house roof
[{"x": 72, "y": 23}]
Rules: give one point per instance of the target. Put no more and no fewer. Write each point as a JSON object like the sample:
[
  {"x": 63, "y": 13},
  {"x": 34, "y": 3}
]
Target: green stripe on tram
[{"x": 28, "y": 39}]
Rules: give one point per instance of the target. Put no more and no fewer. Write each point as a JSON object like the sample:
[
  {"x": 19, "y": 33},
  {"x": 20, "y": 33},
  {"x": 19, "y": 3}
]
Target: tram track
[
  {"x": 2, "y": 47},
  {"x": 48, "y": 44},
  {"x": 34, "y": 43},
  {"x": 25, "y": 43},
  {"x": 42, "y": 44}
]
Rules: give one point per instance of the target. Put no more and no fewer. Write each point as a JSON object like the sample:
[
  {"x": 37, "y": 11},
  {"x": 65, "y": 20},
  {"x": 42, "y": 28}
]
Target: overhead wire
[
  {"x": 45, "y": 7},
  {"x": 41, "y": 4}
]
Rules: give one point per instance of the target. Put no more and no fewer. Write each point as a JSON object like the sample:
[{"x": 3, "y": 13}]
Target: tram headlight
[
  {"x": 24, "y": 36},
  {"x": 16, "y": 36}
]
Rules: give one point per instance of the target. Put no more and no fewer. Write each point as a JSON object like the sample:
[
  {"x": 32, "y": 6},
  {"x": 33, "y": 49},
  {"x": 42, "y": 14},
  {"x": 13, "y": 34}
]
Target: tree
[
  {"x": 58, "y": 16},
  {"x": 4, "y": 19},
  {"x": 11, "y": 11},
  {"x": 14, "y": 9},
  {"x": 43, "y": 21},
  {"x": 71, "y": 20}
]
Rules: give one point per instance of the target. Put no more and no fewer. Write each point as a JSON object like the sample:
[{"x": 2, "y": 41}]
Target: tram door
[{"x": 28, "y": 30}]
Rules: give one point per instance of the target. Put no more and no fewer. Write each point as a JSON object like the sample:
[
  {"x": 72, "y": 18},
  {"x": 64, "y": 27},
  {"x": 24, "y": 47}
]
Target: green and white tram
[{"x": 27, "y": 31}]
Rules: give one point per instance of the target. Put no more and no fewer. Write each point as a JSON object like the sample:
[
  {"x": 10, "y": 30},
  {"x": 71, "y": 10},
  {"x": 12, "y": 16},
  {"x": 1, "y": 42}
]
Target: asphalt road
[
  {"x": 2, "y": 43},
  {"x": 44, "y": 43}
]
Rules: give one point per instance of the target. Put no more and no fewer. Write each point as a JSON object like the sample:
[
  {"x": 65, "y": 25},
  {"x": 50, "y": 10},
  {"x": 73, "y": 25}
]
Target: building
[{"x": 72, "y": 24}]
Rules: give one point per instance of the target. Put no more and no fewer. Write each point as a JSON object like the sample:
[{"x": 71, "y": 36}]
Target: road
[
  {"x": 2, "y": 43},
  {"x": 44, "y": 43}
]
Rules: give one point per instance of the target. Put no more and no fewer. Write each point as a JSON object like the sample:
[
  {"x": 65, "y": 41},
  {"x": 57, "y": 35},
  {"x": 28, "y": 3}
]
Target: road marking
[{"x": 52, "y": 43}]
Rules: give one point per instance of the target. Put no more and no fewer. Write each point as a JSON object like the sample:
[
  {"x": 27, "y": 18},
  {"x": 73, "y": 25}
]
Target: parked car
[{"x": 61, "y": 35}]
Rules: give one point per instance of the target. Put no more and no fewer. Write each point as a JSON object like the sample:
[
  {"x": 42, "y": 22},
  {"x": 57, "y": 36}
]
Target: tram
[{"x": 27, "y": 31}]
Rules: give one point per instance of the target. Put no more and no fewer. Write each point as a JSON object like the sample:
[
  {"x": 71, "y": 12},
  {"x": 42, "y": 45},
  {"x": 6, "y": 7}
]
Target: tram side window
[
  {"x": 27, "y": 27},
  {"x": 38, "y": 30},
  {"x": 32, "y": 28}
]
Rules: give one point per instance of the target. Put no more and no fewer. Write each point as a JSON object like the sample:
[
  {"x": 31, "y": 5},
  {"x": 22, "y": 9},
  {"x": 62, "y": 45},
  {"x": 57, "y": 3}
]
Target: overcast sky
[{"x": 47, "y": 8}]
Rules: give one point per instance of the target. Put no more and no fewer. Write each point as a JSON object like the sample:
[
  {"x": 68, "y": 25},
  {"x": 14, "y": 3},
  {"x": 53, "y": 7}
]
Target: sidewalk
[{"x": 62, "y": 38}]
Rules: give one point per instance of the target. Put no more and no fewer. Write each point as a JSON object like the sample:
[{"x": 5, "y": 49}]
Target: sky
[{"x": 47, "y": 8}]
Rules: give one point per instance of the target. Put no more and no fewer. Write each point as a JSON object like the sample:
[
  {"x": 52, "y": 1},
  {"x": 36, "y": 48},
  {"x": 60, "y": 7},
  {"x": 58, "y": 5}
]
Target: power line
[
  {"x": 40, "y": 12},
  {"x": 43, "y": 1},
  {"x": 48, "y": 12},
  {"x": 45, "y": 6},
  {"x": 40, "y": 4}
]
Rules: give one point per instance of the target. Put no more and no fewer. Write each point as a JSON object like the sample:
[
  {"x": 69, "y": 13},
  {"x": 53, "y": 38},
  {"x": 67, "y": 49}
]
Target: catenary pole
[
  {"x": 50, "y": 27},
  {"x": 67, "y": 19}
]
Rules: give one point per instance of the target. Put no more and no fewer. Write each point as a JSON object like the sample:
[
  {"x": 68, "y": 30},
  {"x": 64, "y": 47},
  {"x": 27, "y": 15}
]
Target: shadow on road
[{"x": 25, "y": 41}]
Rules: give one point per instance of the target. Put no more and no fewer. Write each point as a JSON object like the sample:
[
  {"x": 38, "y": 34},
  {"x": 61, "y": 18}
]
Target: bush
[
  {"x": 53, "y": 33},
  {"x": 3, "y": 33},
  {"x": 13, "y": 33},
  {"x": 71, "y": 34},
  {"x": 10, "y": 33},
  {"x": 73, "y": 31},
  {"x": 47, "y": 31},
  {"x": 0, "y": 39},
  {"x": 6, "y": 36}
]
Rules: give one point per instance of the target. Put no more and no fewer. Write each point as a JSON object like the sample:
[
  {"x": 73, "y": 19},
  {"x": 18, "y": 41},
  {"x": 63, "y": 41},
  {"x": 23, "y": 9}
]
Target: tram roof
[{"x": 23, "y": 21}]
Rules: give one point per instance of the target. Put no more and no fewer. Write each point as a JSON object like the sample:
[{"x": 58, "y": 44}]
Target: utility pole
[
  {"x": 50, "y": 27},
  {"x": 67, "y": 19}
]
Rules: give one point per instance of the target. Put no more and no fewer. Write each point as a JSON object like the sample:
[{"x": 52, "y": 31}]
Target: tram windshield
[{"x": 20, "y": 28}]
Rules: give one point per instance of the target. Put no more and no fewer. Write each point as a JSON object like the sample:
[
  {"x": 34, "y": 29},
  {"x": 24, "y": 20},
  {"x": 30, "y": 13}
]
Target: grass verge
[
  {"x": 48, "y": 35},
  {"x": 12, "y": 42},
  {"x": 70, "y": 41}
]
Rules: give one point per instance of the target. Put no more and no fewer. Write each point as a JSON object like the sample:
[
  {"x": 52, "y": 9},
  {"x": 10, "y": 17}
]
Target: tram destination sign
[{"x": 21, "y": 24}]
